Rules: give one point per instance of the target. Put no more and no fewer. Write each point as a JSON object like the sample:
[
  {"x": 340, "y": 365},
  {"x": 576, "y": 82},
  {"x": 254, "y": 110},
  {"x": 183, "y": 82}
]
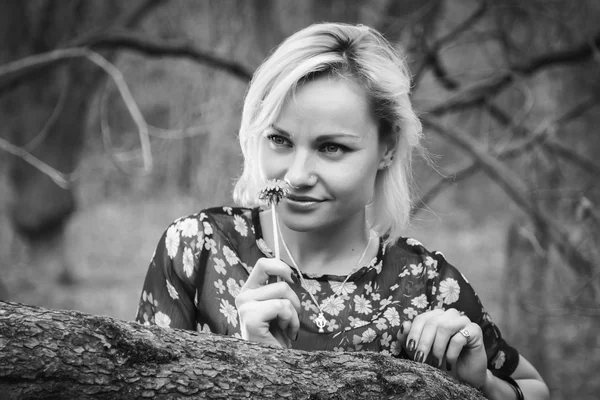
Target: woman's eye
[
  {"x": 277, "y": 140},
  {"x": 332, "y": 148}
]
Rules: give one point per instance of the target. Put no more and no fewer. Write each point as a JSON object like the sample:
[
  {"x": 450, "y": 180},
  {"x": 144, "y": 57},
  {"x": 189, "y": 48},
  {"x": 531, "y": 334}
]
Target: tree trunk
[{"x": 67, "y": 354}]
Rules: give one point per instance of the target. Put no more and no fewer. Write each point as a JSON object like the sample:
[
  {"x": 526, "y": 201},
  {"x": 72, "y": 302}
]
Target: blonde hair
[{"x": 353, "y": 52}]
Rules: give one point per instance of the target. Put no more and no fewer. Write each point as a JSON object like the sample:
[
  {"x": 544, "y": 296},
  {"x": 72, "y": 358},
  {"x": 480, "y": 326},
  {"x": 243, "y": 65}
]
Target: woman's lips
[
  {"x": 303, "y": 198},
  {"x": 302, "y": 202}
]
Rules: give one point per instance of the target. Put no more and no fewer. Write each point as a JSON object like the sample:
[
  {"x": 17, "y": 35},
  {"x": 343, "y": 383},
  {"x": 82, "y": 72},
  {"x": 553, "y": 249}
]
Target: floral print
[{"x": 203, "y": 260}]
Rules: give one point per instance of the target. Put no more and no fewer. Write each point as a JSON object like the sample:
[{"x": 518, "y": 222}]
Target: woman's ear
[
  {"x": 389, "y": 150},
  {"x": 388, "y": 159}
]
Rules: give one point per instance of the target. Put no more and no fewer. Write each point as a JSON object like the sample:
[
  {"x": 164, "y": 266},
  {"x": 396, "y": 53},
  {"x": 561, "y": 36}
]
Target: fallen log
[{"x": 62, "y": 354}]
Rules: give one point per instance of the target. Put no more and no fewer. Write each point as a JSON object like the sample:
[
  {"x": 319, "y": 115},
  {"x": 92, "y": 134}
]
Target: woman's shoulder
[
  {"x": 412, "y": 251},
  {"x": 221, "y": 213},
  {"x": 221, "y": 218},
  {"x": 226, "y": 219},
  {"x": 410, "y": 254},
  {"x": 226, "y": 213}
]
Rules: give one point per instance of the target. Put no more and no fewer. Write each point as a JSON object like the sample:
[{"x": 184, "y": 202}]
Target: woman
[{"x": 329, "y": 114}]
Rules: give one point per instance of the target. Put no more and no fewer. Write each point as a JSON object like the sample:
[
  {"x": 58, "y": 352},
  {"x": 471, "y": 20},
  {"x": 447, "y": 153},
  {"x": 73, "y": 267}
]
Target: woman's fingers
[
  {"x": 277, "y": 290},
  {"x": 421, "y": 335},
  {"x": 257, "y": 317},
  {"x": 446, "y": 331},
  {"x": 263, "y": 269},
  {"x": 447, "y": 339},
  {"x": 430, "y": 334},
  {"x": 268, "y": 308},
  {"x": 468, "y": 336}
]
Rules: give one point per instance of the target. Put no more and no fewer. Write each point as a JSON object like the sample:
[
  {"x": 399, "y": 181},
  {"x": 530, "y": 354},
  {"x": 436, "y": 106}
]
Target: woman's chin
[{"x": 303, "y": 221}]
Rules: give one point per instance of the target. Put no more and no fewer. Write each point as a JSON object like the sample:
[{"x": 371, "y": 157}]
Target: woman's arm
[
  {"x": 529, "y": 380},
  {"x": 503, "y": 360},
  {"x": 169, "y": 288}
]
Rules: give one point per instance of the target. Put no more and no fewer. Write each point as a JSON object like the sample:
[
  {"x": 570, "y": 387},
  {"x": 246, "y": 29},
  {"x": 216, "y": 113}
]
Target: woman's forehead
[{"x": 327, "y": 106}]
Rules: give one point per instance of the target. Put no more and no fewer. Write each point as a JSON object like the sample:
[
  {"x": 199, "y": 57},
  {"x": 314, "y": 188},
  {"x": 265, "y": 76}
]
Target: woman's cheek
[{"x": 272, "y": 164}]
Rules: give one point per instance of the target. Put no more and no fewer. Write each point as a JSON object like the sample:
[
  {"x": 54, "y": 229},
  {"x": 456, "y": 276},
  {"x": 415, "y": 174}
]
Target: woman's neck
[{"x": 334, "y": 250}]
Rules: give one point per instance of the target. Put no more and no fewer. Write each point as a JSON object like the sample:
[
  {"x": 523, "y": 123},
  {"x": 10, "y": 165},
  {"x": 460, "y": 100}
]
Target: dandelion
[{"x": 274, "y": 191}]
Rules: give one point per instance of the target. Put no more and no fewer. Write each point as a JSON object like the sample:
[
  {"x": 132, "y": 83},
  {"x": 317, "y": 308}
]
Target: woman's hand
[
  {"x": 447, "y": 340},
  {"x": 269, "y": 311}
]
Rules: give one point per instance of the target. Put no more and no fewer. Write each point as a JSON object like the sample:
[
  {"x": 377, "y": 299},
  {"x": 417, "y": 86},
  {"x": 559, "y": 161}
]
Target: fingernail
[
  {"x": 435, "y": 362},
  {"x": 296, "y": 337},
  {"x": 295, "y": 278},
  {"x": 401, "y": 329},
  {"x": 419, "y": 356},
  {"x": 449, "y": 366},
  {"x": 411, "y": 345}
]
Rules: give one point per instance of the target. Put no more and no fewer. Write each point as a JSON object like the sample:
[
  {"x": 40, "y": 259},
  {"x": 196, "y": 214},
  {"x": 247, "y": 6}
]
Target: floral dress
[{"x": 203, "y": 260}]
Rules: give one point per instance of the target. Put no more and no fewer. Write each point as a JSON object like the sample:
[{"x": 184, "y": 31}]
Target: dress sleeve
[
  {"x": 169, "y": 291},
  {"x": 454, "y": 291}
]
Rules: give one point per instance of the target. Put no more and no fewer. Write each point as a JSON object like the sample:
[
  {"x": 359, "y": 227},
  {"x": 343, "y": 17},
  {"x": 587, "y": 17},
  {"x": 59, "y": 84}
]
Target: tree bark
[{"x": 67, "y": 354}]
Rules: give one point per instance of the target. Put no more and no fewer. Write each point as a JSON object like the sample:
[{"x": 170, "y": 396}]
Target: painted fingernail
[
  {"x": 449, "y": 366},
  {"x": 411, "y": 345},
  {"x": 296, "y": 337},
  {"x": 295, "y": 279},
  {"x": 419, "y": 356},
  {"x": 401, "y": 329},
  {"x": 435, "y": 362}
]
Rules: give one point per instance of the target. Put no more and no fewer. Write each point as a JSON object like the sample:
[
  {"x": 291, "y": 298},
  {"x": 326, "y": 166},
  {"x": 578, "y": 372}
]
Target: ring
[{"x": 465, "y": 333}]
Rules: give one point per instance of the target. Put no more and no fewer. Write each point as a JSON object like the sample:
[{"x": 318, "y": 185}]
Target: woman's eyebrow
[
  {"x": 280, "y": 131},
  {"x": 320, "y": 138}
]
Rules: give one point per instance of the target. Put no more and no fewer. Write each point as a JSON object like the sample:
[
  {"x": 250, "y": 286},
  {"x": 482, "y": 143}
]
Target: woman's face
[{"x": 325, "y": 143}]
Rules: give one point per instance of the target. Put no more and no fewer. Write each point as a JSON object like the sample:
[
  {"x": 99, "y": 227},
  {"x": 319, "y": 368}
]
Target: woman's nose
[{"x": 300, "y": 173}]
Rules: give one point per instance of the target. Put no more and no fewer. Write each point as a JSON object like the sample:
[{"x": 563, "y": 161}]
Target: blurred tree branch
[
  {"x": 167, "y": 48},
  {"x": 64, "y": 181},
  {"x": 16, "y": 71},
  {"x": 478, "y": 92},
  {"x": 127, "y": 19},
  {"x": 517, "y": 190},
  {"x": 431, "y": 57},
  {"x": 43, "y": 59}
]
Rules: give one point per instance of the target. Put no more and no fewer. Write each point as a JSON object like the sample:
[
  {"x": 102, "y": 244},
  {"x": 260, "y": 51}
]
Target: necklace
[{"x": 320, "y": 320}]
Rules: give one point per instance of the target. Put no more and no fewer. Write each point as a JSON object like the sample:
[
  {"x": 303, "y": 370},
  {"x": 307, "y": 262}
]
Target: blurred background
[{"x": 118, "y": 117}]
